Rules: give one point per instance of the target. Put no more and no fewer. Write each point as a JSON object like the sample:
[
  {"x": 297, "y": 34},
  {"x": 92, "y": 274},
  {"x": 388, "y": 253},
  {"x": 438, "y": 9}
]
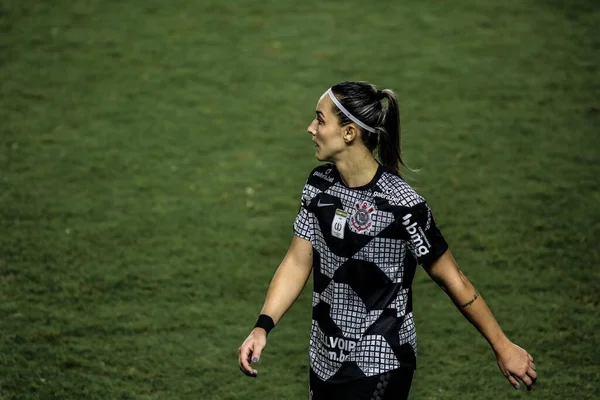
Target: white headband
[{"x": 347, "y": 113}]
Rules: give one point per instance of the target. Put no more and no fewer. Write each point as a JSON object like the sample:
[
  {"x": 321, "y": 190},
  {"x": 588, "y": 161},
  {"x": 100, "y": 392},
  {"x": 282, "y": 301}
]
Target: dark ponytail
[
  {"x": 378, "y": 109},
  {"x": 388, "y": 150}
]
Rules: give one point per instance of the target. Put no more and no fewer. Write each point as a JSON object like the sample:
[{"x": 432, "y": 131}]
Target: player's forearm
[
  {"x": 285, "y": 287},
  {"x": 474, "y": 308}
]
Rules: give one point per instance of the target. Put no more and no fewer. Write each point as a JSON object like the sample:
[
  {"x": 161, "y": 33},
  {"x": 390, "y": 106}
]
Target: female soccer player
[{"x": 363, "y": 230}]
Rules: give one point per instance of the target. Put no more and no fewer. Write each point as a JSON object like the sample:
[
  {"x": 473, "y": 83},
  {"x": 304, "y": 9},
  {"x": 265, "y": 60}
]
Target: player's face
[{"x": 326, "y": 132}]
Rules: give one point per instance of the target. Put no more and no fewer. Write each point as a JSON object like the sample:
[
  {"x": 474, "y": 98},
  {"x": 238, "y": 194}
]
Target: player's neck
[{"x": 357, "y": 171}]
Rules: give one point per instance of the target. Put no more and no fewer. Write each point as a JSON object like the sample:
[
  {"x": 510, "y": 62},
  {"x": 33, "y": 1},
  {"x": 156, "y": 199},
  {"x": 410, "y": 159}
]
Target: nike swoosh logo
[{"x": 319, "y": 204}]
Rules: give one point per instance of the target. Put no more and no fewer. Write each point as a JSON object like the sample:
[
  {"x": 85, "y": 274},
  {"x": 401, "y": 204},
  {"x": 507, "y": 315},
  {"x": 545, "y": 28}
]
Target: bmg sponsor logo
[{"x": 417, "y": 236}]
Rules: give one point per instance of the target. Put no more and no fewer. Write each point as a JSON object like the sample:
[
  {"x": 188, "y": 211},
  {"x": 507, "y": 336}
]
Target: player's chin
[{"x": 320, "y": 154}]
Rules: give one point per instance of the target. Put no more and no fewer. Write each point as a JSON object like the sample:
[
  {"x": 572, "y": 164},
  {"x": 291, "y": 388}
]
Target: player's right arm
[{"x": 286, "y": 285}]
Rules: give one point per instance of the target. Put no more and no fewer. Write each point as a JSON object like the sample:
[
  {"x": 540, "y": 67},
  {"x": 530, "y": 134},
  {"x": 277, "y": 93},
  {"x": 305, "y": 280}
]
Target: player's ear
[{"x": 350, "y": 133}]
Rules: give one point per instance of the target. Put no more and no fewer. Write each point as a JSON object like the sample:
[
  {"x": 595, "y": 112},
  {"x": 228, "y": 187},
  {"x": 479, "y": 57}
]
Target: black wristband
[{"x": 265, "y": 322}]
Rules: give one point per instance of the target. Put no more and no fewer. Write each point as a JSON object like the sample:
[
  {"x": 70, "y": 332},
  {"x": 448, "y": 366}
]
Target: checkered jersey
[{"x": 367, "y": 243}]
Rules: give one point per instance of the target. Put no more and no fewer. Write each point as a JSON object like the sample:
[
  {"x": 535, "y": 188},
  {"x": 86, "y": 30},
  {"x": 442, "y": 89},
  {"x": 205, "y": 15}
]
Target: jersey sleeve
[
  {"x": 303, "y": 224},
  {"x": 425, "y": 241}
]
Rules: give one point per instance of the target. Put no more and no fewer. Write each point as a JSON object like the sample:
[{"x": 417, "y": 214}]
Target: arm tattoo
[{"x": 468, "y": 303}]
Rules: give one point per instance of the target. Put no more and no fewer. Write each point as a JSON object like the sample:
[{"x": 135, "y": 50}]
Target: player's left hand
[{"x": 516, "y": 363}]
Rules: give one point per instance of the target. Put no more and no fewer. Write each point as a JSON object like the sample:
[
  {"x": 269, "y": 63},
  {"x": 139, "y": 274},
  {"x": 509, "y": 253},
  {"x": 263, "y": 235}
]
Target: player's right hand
[{"x": 250, "y": 350}]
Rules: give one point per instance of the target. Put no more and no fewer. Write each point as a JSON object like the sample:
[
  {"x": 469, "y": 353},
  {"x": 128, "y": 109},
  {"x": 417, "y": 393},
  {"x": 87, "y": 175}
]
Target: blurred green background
[{"x": 152, "y": 159}]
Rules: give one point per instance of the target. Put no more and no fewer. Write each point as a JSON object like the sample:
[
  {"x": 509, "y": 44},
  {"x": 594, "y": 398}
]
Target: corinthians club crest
[{"x": 361, "y": 220}]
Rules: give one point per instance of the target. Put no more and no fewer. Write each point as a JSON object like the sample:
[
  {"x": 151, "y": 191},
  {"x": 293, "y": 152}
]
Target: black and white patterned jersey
[{"x": 367, "y": 243}]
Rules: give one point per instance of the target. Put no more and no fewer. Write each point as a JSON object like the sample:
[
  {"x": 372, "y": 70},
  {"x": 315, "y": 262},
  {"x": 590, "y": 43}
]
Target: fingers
[
  {"x": 245, "y": 353},
  {"x": 250, "y": 352},
  {"x": 513, "y": 381},
  {"x": 517, "y": 365},
  {"x": 256, "y": 353},
  {"x": 529, "y": 378},
  {"x": 527, "y": 381},
  {"x": 533, "y": 375},
  {"x": 532, "y": 365},
  {"x": 247, "y": 373},
  {"x": 531, "y": 371}
]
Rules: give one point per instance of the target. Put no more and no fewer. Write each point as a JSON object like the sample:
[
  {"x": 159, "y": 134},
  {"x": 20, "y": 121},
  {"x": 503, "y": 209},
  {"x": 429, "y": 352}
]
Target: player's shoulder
[
  {"x": 322, "y": 174},
  {"x": 393, "y": 188}
]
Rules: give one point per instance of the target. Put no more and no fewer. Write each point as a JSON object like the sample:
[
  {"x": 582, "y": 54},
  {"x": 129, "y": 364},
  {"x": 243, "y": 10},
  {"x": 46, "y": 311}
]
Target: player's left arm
[{"x": 514, "y": 362}]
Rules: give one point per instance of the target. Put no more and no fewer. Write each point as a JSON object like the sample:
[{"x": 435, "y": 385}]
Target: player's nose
[{"x": 312, "y": 128}]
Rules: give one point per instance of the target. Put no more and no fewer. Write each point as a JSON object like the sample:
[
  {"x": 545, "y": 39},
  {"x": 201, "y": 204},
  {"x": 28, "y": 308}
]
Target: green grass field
[{"x": 152, "y": 159}]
